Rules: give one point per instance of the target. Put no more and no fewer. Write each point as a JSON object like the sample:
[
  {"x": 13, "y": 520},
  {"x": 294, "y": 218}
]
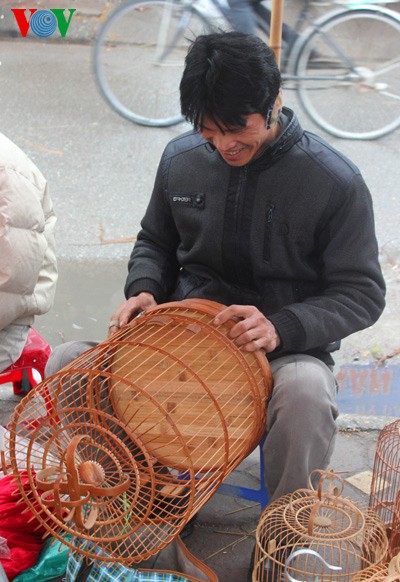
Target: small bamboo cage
[
  {"x": 385, "y": 485},
  {"x": 394, "y": 534},
  {"x": 319, "y": 535},
  {"x": 126, "y": 443},
  {"x": 386, "y": 572}
]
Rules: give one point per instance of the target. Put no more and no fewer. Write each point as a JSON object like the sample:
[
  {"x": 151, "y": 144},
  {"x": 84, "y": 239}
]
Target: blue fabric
[{"x": 114, "y": 572}]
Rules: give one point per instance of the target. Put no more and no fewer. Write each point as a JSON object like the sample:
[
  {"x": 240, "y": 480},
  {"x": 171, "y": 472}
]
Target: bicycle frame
[{"x": 317, "y": 25}]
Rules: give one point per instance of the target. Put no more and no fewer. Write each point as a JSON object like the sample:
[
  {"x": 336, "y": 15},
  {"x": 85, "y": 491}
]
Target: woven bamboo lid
[{"x": 183, "y": 387}]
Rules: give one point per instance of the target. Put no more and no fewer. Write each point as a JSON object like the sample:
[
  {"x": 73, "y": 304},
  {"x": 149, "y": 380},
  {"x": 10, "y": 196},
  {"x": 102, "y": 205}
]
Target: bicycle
[{"x": 344, "y": 66}]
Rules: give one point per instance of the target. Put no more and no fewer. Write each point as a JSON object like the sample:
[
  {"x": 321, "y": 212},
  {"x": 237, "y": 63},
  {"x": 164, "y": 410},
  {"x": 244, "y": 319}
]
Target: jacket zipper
[
  {"x": 296, "y": 292},
  {"x": 239, "y": 190},
  {"x": 268, "y": 233}
]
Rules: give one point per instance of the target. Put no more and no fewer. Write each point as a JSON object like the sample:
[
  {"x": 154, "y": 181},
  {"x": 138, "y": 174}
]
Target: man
[
  {"x": 251, "y": 211},
  {"x": 246, "y": 16},
  {"x": 28, "y": 267}
]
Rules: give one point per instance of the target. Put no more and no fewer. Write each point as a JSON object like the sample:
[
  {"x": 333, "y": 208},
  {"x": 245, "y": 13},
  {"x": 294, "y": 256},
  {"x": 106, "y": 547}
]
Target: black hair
[{"x": 228, "y": 75}]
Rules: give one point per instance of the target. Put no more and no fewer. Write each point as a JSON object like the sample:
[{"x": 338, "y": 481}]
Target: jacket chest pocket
[
  {"x": 187, "y": 200},
  {"x": 188, "y": 211}
]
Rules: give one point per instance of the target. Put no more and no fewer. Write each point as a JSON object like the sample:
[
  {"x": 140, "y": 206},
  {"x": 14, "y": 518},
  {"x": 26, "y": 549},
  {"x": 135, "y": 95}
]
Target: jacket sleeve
[
  {"x": 28, "y": 268},
  {"x": 353, "y": 291},
  {"x": 153, "y": 265},
  {"x": 45, "y": 287}
]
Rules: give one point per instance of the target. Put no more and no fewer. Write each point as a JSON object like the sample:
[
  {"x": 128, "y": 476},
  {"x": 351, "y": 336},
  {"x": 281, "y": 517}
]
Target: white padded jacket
[{"x": 28, "y": 267}]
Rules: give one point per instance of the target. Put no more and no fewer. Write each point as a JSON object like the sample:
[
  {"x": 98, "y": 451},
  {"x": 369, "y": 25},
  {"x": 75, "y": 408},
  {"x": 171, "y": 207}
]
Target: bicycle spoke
[
  {"x": 388, "y": 67},
  {"x": 391, "y": 95}
]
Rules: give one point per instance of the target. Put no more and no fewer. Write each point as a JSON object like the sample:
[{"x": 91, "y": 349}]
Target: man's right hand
[{"x": 130, "y": 309}]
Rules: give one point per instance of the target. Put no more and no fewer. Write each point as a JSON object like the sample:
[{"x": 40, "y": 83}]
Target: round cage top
[
  {"x": 317, "y": 534},
  {"x": 125, "y": 444}
]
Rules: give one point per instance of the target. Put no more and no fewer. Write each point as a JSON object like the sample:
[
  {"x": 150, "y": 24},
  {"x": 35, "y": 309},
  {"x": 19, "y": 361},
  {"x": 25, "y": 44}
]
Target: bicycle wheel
[
  {"x": 348, "y": 73},
  {"x": 139, "y": 58}
]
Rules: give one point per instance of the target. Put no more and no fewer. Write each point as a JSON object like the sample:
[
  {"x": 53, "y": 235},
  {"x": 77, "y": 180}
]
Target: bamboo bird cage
[
  {"x": 394, "y": 534},
  {"x": 126, "y": 443},
  {"x": 319, "y": 535},
  {"x": 385, "y": 485},
  {"x": 386, "y": 572}
]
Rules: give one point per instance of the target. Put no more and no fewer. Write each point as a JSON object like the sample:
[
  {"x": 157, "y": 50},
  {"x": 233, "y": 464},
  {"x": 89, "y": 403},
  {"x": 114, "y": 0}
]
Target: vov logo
[{"x": 43, "y": 23}]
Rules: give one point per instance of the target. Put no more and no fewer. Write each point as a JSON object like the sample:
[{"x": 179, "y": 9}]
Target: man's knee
[
  {"x": 305, "y": 377},
  {"x": 64, "y": 354},
  {"x": 304, "y": 391}
]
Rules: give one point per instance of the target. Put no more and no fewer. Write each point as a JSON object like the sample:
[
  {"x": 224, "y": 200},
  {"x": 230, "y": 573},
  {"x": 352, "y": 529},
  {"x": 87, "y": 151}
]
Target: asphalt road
[{"x": 101, "y": 170}]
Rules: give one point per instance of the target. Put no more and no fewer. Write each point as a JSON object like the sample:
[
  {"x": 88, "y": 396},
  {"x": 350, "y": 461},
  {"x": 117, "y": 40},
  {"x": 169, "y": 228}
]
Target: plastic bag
[
  {"x": 4, "y": 555},
  {"x": 52, "y": 562}
]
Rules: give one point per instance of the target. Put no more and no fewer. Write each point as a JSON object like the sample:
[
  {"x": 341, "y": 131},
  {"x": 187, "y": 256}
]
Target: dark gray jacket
[{"x": 291, "y": 233}]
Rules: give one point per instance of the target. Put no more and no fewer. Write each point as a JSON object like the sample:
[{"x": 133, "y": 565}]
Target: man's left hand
[{"x": 252, "y": 330}]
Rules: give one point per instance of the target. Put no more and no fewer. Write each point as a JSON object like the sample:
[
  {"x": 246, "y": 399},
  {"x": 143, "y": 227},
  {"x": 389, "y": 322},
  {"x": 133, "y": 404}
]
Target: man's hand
[
  {"x": 252, "y": 331},
  {"x": 129, "y": 309}
]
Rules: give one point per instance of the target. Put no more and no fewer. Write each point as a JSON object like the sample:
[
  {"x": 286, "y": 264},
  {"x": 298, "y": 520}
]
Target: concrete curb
[{"x": 356, "y": 422}]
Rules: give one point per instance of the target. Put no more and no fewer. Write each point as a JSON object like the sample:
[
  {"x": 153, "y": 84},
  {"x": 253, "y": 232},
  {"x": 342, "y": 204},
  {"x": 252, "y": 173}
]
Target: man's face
[{"x": 239, "y": 145}]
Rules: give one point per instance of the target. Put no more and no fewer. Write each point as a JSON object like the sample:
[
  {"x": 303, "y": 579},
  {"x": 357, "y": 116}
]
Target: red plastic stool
[{"x": 34, "y": 356}]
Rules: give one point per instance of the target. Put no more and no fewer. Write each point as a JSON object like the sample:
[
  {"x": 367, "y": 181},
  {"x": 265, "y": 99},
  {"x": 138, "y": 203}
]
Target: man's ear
[
  {"x": 274, "y": 112},
  {"x": 277, "y": 108}
]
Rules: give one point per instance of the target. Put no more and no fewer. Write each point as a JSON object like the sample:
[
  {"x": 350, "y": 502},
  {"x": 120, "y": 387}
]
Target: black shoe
[{"x": 319, "y": 61}]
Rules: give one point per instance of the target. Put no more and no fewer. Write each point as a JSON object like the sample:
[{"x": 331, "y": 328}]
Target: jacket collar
[{"x": 290, "y": 134}]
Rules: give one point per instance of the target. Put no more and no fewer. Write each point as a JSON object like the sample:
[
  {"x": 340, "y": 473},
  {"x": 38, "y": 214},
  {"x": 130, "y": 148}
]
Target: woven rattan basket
[
  {"x": 125, "y": 444},
  {"x": 317, "y": 535}
]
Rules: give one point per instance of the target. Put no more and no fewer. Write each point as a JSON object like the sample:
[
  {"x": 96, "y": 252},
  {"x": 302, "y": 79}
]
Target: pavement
[{"x": 223, "y": 535}]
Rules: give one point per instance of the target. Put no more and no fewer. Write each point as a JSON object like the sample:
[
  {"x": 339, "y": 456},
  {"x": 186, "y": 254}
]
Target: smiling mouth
[{"x": 233, "y": 152}]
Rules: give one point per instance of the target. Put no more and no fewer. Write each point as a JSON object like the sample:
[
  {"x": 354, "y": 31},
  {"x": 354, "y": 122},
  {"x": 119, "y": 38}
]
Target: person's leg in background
[
  {"x": 245, "y": 13},
  {"x": 301, "y": 423},
  {"x": 64, "y": 354},
  {"x": 69, "y": 393},
  {"x": 289, "y": 36},
  {"x": 242, "y": 16}
]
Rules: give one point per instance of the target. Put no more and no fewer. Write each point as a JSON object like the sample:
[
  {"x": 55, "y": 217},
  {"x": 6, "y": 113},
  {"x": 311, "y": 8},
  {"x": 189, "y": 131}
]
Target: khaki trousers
[{"x": 301, "y": 423}]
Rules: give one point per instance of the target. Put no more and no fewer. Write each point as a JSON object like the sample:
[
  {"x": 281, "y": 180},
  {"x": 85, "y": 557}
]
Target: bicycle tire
[
  {"x": 347, "y": 68},
  {"x": 139, "y": 58}
]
